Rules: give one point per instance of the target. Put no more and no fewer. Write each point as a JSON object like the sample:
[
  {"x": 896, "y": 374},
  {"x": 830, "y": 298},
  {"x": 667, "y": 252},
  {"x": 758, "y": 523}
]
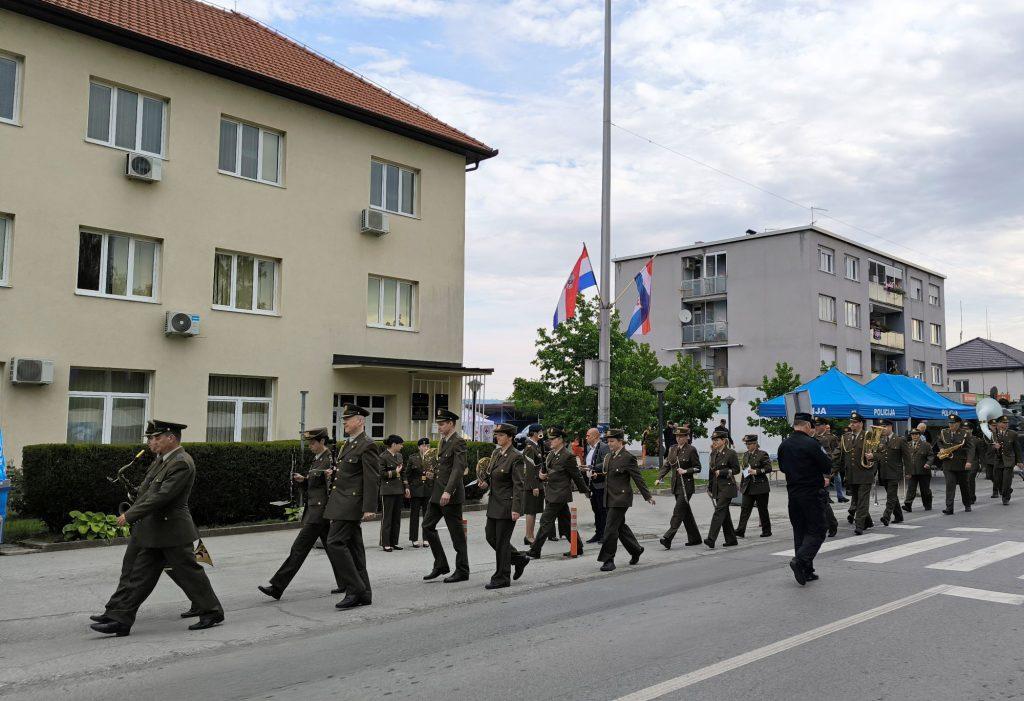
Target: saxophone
[{"x": 947, "y": 452}]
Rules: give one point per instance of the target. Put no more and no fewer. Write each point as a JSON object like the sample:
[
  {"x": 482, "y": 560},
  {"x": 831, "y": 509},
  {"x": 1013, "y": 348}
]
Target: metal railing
[
  {"x": 878, "y": 293},
  {"x": 703, "y": 286},
  {"x": 713, "y": 332},
  {"x": 889, "y": 339}
]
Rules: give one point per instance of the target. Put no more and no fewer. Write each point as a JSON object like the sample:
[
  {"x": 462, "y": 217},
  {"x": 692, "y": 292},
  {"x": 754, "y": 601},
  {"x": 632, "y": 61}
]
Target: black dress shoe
[
  {"x": 519, "y": 566},
  {"x": 457, "y": 577},
  {"x": 100, "y": 618},
  {"x": 595, "y": 539},
  {"x": 948, "y": 512},
  {"x": 974, "y": 500},
  {"x": 832, "y": 531},
  {"x": 667, "y": 544},
  {"x": 766, "y": 534},
  {"x": 843, "y": 500},
  {"x": 496, "y": 585},
  {"x": 532, "y": 555},
  {"x": 1006, "y": 502},
  {"x": 352, "y": 600},
  {"x": 967, "y": 508},
  {"x": 727, "y": 544},
  {"x": 527, "y": 541},
  {"x": 710, "y": 543},
  {"x": 338, "y": 590},
  {"x": 435, "y": 573},
  {"x": 885, "y": 521},
  {"x": 857, "y": 531},
  {"x": 994, "y": 496},
  {"x": 798, "y": 571},
  {"x": 694, "y": 542},
  {"x": 112, "y": 628},
  {"x": 741, "y": 534},
  {"x": 906, "y": 507},
  {"x": 898, "y": 519},
  {"x": 849, "y": 519},
  {"x": 272, "y": 592},
  {"x": 812, "y": 577},
  {"x": 927, "y": 508},
  {"x": 636, "y": 558},
  {"x": 191, "y": 613},
  {"x": 415, "y": 545},
  {"x": 207, "y": 621},
  {"x": 395, "y": 547},
  {"x": 608, "y": 566}
]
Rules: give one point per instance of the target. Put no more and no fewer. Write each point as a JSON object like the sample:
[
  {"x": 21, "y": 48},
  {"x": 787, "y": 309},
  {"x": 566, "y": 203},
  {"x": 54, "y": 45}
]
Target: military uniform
[
  {"x": 755, "y": 489},
  {"x": 392, "y": 492},
  {"x": 917, "y": 459},
  {"x": 830, "y": 444},
  {"x": 1005, "y": 458},
  {"x": 685, "y": 458},
  {"x": 888, "y": 461},
  {"x": 353, "y": 493},
  {"x": 980, "y": 449},
  {"x": 420, "y": 485},
  {"x": 620, "y": 468},
  {"x": 532, "y": 461},
  {"x": 505, "y": 478},
  {"x": 451, "y": 466},
  {"x": 724, "y": 466},
  {"x": 562, "y": 472},
  {"x": 954, "y": 468},
  {"x": 858, "y": 478}
]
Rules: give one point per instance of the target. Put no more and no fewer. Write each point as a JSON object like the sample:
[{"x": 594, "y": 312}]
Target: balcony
[
  {"x": 890, "y": 340},
  {"x": 703, "y": 287},
  {"x": 878, "y": 293},
  {"x": 713, "y": 332},
  {"x": 719, "y": 376}
]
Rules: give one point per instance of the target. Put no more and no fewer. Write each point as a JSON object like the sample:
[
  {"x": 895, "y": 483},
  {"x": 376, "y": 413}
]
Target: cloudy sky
[{"x": 904, "y": 119}]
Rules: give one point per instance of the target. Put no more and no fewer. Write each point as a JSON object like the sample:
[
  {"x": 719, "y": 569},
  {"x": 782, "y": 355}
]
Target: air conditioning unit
[
  {"x": 141, "y": 166},
  {"x": 374, "y": 222},
  {"x": 31, "y": 371},
  {"x": 181, "y": 324}
]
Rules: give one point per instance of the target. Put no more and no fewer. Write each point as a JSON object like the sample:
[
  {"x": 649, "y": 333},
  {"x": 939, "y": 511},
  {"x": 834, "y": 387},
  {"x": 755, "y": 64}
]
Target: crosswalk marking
[
  {"x": 968, "y": 529},
  {"x": 831, "y": 545},
  {"x": 906, "y": 526},
  {"x": 980, "y": 558},
  {"x": 997, "y": 597},
  {"x": 904, "y": 550}
]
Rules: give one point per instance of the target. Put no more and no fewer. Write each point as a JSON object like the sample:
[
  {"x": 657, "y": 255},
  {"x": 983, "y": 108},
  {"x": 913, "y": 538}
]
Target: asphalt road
[{"x": 923, "y": 613}]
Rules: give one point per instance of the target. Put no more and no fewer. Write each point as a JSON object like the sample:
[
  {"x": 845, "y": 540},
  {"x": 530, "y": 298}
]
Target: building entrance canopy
[{"x": 835, "y": 395}]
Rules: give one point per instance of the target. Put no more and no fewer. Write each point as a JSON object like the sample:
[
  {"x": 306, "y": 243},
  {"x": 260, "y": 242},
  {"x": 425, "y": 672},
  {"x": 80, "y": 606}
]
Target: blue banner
[{"x": 5, "y": 486}]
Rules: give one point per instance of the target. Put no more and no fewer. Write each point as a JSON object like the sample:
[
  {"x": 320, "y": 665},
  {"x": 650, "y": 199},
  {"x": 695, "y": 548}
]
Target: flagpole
[{"x": 604, "y": 347}]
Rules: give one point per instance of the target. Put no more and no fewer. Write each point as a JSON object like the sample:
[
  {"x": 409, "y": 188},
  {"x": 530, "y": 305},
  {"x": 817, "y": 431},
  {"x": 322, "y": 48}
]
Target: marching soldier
[
  {"x": 755, "y": 486},
  {"x": 981, "y": 454},
  {"x": 684, "y": 462},
  {"x": 533, "y": 488},
  {"x": 162, "y": 527},
  {"x": 722, "y": 486},
  {"x": 830, "y": 444},
  {"x": 560, "y": 472},
  {"x": 504, "y": 505},
  {"x": 917, "y": 464},
  {"x": 392, "y": 491},
  {"x": 888, "y": 460},
  {"x": 620, "y": 467},
  {"x": 955, "y": 443},
  {"x": 860, "y": 474},
  {"x": 417, "y": 490},
  {"x": 1006, "y": 455},
  {"x": 446, "y": 501},
  {"x": 316, "y": 480},
  {"x": 353, "y": 500}
]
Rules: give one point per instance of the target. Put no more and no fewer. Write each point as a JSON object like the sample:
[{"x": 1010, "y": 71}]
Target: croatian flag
[
  {"x": 640, "y": 322},
  {"x": 581, "y": 278}
]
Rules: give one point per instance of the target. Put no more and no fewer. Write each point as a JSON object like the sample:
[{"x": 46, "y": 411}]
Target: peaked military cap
[
  {"x": 350, "y": 410},
  {"x": 1003, "y": 419},
  {"x": 445, "y": 415},
  {"x": 721, "y": 434},
  {"x": 856, "y": 416},
  {"x": 955, "y": 419},
  {"x": 156, "y": 427},
  {"x": 316, "y": 434},
  {"x": 617, "y": 434},
  {"x": 556, "y": 432},
  {"x": 423, "y": 441},
  {"x": 802, "y": 416},
  {"x": 508, "y": 429},
  {"x": 534, "y": 428},
  {"x": 750, "y": 438},
  {"x": 883, "y": 422},
  {"x": 915, "y": 432},
  {"x": 821, "y": 421},
  {"x": 682, "y": 432}
]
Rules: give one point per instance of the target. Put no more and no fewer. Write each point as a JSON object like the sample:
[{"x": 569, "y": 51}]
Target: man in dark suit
[
  {"x": 620, "y": 468},
  {"x": 807, "y": 468},
  {"x": 596, "y": 449},
  {"x": 446, "y": 501},
  {"x": 163, "y": 529},
  {"x": 353, "y": 500},
  {"x": 668, "y": 437}
]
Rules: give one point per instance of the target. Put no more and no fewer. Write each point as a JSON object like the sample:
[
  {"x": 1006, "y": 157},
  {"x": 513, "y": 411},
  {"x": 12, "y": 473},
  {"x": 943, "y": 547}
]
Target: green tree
[
  {"x": 784, "y": 380},
  {"x": 690, "y": 395},
  {"x": 825, "y": 367},
  {"x": 560, "y": 391}
]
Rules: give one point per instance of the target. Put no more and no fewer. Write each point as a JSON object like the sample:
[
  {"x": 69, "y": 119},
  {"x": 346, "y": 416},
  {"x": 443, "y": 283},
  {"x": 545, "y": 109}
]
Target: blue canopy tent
[
  {"x": 835, "y": 395},
  {"x": 924, "y": 402}
]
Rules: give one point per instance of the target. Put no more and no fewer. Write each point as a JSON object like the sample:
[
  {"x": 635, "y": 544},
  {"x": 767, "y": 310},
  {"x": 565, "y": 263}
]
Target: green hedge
[{"x": 235, "y": 482}]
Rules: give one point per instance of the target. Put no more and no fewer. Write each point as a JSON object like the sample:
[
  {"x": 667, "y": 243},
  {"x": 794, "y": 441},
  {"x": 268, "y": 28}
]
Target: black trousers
[
  {"x": 417, "y": 506},
  {"x": 972, "y": 484},
  {"x": 860, "y": 504},
  {"x": 600, "y": 511},
  {"x": 130, "y": 553},
  {"x": 959, "y": 478},
  {"x": 682, "y": 515},
  {"x": 345, "y": 544},
  {"x": 996, "y": 476},
  {"x": 564, "y": 523},
  {"x": 1005, "y": 480},
  {"x": 721, "y": 520},
  {"x": 830, "y": 516},
  {"x": 807, "y": 515},
  {"x": 892, "y": 499},
  {"x": 304, "y": 541},
  {"x": 924, "y": 481},
  {"x": 617, "y": 530},
  {"x": 391, "y": 521},
  {"x": 749, "y": 502},
  {"x": 552, "y": 512},
  {"x": 452, "y": 515},
  {"x": 498, "y": 532},
  {"x": 146, "y": 570}
]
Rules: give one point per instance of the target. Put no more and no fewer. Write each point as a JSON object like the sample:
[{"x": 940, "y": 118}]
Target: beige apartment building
[{"x": 173, "y": 168}]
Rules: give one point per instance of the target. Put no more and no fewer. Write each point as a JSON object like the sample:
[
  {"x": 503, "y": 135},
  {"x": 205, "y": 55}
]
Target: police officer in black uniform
[{"x": 807, "y": 468}]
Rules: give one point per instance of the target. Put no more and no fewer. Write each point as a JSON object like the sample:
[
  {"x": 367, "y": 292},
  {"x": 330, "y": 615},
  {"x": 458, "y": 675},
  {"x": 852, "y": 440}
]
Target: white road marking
[
  {"x": 997, "y": 597},
  {"x": 903, "y": 525},
  {"x": 831, "y": 545},
  {"x": 905, "y": 550},
  {"x": 980, "y": 558},
  {"x": 968, "y": 529}
]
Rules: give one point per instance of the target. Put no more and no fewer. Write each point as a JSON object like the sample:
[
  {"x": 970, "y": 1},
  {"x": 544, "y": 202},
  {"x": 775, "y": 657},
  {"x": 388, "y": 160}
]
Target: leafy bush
[
  {"x": 16, "y": 529},
  {"x": 92, "y": 525},
  {"x": 292, "y": 513}
]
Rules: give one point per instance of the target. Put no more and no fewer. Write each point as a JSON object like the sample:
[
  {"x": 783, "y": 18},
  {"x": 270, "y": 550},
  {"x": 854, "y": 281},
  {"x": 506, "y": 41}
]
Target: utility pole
[{"x": 604, "y": 387}]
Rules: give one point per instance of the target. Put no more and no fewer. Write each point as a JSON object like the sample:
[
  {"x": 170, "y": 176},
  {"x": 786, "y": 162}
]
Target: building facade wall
[{"x": 980, "y": 382}]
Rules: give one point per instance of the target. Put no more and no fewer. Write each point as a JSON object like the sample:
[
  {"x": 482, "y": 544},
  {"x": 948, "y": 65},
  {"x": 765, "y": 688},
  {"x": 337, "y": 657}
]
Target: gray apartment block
[{"x": 799, "y": 295}]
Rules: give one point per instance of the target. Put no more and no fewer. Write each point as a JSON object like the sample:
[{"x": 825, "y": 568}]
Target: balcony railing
[
  {"x": 878, "y": 293},
  {"x": 703, "y": 287},
  {"x": 713, "y": 332},
  {"x": 888, "y": 339}
]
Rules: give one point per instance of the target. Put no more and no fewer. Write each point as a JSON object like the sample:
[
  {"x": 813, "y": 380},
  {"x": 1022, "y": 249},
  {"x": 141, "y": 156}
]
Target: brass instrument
[
  {"x": 483, "y": 469},
  {"x": 946, "y": 453},
  {"x": 120, "y": 477},
  {"x": 987, "y": 410},
  {"x": 429, "y": 464},
  {"x": 872, "y": 439}
]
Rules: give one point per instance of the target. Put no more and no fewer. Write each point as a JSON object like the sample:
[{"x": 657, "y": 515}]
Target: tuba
[
  {"x": 987, "y": 410},
  {"x": 872, "y": 439}
]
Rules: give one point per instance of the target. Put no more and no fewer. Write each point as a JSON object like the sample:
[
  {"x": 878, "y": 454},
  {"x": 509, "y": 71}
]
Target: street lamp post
[
  {"x": 659, "y": 384},
  {"x": 728, "y": 416},
  {"x": 474, "y": 387}
]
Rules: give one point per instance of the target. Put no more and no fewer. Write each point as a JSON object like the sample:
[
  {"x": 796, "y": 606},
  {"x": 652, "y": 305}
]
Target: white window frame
[
  {"x": 259, "y": 152},
  {"x": 239, "y": 403},
  {"x": 938, "y": 296},
  {"x": 834, "y": 351},
  {"x": 937, "y": 378},
  {"x": 832, "y": 306},
  {"x": 849, "y": 306},
  {"x": 924, "y": 369},
  {"x": 111, "y": 127},
  {"x": 19, "y": 77},
  {"x": 826, "y": 260},
  {"x": 856, "y": 268},
  {"x": 917, "y": 330},
  {"x": 935, "y": 334},
  {"x": 860, "y": 355},
  {"x": 961, "y": 385},
  {"x": 5, "y": 250},
  {"x": 256, "y": 260},
  {"x": 713, "y": 256},
  {"x": 108, "y": 404},
  {"x": 919, "y": 297},
  {"x": 104, "y": 249},
  {"x": 382, "y": 207},
  {"x": 414, "y": 300}
]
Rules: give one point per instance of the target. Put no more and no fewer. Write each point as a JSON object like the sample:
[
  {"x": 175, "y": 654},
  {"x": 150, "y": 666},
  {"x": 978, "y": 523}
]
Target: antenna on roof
[
  {"x": 961, "y": 321},
  {"x": 816, "y": 209}
]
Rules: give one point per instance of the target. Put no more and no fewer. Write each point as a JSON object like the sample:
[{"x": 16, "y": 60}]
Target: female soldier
[
  {"x": 416, "y": 489},
  {"x": 392, "y": 490}
]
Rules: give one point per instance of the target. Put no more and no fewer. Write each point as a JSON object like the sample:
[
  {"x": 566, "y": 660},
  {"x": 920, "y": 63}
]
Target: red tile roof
[{"x": 238, "y": 41}]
